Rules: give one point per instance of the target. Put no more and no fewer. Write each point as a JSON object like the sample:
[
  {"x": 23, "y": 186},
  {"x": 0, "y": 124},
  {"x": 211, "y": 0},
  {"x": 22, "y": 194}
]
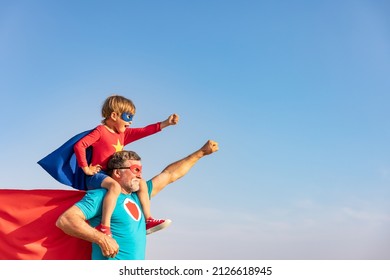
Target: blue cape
[{"x": 61, "y": 164}]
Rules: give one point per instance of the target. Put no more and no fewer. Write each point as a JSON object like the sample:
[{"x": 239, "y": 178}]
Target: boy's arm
[
  {"x": 134, "y": 134},
  {"x": 80, "y": 149}
]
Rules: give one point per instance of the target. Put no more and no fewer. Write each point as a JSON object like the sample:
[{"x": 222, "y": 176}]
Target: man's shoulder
[
  {"x": 149, "y": 184},
  {"x": 95, "y": 194},
  {"x": 98, "y": 190},
  {"x": 92, "y": 202}
]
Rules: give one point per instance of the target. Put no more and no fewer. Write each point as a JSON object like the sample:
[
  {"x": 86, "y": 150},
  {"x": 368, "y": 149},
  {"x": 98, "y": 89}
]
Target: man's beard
[{"x": 134, "y": 185}]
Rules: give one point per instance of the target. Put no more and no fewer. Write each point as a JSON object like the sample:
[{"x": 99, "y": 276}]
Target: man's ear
[{"x": 116, "y": 173}]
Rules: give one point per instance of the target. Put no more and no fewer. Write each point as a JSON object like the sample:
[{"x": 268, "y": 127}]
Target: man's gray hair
[{"x": 118, "y": 160}]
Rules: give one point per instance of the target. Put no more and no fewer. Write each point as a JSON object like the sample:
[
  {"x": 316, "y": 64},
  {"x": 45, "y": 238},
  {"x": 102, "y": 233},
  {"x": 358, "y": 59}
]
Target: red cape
[{"x": 28, "y": 230}]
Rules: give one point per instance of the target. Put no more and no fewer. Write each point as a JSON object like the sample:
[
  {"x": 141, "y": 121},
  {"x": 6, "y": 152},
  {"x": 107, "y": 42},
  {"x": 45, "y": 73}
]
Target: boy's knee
[{"x": 116, "y": 188}]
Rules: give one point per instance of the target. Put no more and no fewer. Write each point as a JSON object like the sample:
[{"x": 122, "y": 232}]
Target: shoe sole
[{"x": 159, "y": 227}]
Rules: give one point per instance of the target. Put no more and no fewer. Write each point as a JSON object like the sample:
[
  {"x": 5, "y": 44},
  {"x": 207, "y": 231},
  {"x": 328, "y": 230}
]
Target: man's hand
[
  {"x": 108, "y": 245},
  {"x": 210, "y": 147}
]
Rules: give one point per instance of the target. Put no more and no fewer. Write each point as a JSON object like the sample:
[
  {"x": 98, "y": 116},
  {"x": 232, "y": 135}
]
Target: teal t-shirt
[{"x": 127, "y": 223}]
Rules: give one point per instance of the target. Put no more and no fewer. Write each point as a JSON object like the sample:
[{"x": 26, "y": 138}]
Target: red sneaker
[
  {"x": 105, "y": 229},
  {"x": 153, "y": 225}
]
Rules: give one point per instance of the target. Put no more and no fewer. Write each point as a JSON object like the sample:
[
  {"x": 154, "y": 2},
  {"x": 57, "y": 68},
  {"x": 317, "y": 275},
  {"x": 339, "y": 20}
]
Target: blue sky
[{"x": 295, "y": 92}]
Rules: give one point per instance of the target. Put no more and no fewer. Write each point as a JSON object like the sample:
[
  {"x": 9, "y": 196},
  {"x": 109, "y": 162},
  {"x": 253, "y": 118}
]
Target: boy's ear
[{"x": 114, "y": 116}]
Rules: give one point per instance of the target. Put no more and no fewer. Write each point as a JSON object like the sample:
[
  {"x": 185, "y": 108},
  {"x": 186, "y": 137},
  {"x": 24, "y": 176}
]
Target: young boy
[{"x": 106, "y": 139}]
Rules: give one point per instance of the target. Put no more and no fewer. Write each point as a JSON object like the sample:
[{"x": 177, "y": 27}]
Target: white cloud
[{"x": 365, "y": 215}]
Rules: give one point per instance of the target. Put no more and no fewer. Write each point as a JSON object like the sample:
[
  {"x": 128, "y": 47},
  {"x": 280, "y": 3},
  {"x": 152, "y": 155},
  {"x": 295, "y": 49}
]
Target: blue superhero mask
[{"x": 127, "y": 117}]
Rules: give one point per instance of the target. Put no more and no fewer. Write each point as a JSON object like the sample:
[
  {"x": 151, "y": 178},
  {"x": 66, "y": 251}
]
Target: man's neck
[{"x": 125, "y": 192}]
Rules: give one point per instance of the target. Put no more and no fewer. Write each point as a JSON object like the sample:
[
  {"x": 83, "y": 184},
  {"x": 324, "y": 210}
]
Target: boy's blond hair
[{"x": 118, "y": 104}]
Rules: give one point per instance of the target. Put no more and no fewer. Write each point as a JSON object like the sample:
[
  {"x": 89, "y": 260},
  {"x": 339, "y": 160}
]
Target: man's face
[{"x": 131, "y": 174}]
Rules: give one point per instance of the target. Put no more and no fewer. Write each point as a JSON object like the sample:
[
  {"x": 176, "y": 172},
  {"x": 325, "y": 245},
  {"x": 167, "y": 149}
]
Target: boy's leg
[
  {"x": 152, "y": 225},
  {"x": 109, "y": 202},
  {"x": 143, "y": 196}
]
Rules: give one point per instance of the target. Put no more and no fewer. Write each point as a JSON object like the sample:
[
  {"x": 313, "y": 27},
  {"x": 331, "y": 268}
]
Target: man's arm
[
  {"x": 178, "y": 169},
  {"x": 73, "y": 223}
]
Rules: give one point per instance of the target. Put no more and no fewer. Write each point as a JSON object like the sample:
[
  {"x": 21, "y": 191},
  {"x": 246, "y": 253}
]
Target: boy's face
[
  {"x": 127, "y": 117},
  {"x": 122, "y": 121}
]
